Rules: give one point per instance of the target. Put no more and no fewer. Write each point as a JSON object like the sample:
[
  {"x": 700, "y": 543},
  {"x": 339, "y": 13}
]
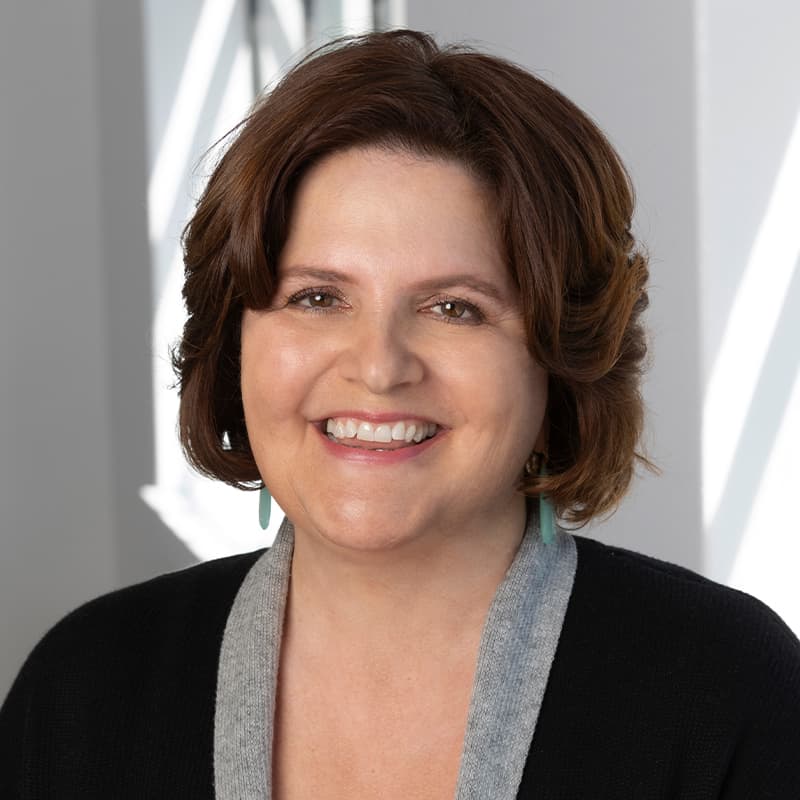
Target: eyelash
[
  {"x": 477, "y": 315},
  {"x": 476, "y": 318},
  {"x": 304, "y": 294}
]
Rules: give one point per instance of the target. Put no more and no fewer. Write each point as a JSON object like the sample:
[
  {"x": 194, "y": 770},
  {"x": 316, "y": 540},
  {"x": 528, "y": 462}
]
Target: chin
[{"x": 365, "y": 526}]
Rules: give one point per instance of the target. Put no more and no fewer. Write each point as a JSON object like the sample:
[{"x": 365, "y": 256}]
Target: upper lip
[{"x": 378, "y": 417}]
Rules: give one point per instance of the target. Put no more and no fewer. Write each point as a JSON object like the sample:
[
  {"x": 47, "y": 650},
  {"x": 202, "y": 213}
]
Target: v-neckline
[{"x": 517, "y": 649}]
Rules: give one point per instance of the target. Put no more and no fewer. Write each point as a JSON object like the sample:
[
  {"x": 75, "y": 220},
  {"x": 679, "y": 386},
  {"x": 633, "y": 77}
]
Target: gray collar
[{"x": 517, "y": 649}]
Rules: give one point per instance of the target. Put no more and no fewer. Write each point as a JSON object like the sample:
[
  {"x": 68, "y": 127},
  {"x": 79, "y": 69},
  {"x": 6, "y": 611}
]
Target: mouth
[{"x": 361, "y": 434}]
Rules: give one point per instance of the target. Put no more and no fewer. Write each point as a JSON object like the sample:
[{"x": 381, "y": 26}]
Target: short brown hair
[{"x": 564, "y": 204}]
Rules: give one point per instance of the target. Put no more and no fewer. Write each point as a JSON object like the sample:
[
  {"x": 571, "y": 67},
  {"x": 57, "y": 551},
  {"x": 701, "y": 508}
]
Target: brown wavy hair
[{"x": 564, "y": 204}]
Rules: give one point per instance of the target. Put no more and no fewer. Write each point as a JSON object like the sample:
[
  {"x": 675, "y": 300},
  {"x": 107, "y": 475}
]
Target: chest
[{"x": 398, "y": 736}]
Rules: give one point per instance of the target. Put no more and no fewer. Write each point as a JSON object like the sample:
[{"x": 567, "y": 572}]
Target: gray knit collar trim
[
  {"x": 517, "y": 649},
  {"x": 248, "y": 675}
]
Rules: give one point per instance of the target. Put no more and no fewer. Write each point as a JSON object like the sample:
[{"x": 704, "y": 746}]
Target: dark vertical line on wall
[
  {"x": 308, "y": 20},
  {"x": 251, "y": 23},
  {"x": 380, "y": 14}
]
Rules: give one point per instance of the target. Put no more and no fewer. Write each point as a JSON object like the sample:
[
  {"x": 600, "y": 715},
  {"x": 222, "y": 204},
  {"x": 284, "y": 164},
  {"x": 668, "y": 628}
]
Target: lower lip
[{"x": 360, "y": 455}]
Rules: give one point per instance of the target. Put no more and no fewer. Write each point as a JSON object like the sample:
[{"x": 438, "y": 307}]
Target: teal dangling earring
[
  {"x": 547, "y": 521},
  {"x": 264, "y": 507}
]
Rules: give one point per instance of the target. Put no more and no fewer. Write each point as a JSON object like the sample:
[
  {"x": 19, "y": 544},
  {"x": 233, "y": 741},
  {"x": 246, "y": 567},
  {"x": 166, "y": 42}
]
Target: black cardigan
[{"x": 664, "y": 685}]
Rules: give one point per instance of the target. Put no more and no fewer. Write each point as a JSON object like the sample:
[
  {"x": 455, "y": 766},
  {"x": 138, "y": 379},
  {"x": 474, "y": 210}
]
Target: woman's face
[{"x": 395, "y": 319}]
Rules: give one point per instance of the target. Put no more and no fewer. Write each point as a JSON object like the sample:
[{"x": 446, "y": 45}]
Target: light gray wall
[
  {"x": 750, "y": 108},
  {"x": 750, "y": 298},
  {"x": 75, "y": 396},
  {"x": 630, "y": 65}
]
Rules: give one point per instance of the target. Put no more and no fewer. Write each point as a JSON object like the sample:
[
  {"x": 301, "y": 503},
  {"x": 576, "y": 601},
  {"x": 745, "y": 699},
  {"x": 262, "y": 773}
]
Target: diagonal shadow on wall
[{"x": 763, "y": 421}]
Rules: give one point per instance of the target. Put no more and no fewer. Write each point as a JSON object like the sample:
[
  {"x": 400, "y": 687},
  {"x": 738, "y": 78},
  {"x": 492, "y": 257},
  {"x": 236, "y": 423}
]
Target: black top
[{"x": 664, "y": 685}]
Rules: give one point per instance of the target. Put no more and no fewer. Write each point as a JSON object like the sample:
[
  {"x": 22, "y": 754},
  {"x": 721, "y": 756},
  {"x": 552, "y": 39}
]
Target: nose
[{"x": 381, "y": 353}]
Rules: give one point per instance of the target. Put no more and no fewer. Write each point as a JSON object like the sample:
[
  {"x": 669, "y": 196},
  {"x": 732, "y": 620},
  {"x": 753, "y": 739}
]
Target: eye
[
  {"x": 319, "y": 300},
  {"x": 451, "y": 310},
  {"x": 315, "y": 299}
]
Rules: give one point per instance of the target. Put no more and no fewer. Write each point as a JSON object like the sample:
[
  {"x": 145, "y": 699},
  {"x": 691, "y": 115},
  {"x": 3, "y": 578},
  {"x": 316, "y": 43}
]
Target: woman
[{"x": 414, "y": 307}]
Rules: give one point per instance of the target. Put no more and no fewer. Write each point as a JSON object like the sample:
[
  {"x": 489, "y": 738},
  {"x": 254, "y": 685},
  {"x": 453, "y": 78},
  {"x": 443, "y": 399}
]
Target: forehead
[{"x": 376, "y": 208}]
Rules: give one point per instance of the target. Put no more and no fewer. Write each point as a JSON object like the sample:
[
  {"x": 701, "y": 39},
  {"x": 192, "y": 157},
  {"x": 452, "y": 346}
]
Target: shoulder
[
  {"x": 640, "y": 590},
  {"x": 161, "y": 608},
  {"x": 663, "y": 678},
  {"x": 122, "y": 688},
  {"x": 687, "y": 647},
  {"x": 132, "y": 627}
]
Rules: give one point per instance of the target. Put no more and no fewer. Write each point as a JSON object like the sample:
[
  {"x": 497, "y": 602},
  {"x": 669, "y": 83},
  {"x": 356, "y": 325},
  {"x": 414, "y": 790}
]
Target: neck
[{"x": 431, "y": 588}]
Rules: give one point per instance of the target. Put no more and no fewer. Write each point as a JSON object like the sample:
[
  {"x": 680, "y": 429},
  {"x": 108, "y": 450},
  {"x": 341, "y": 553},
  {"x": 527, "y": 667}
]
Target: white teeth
[
  {"x": 407, "y": 431},
  {"x": 366, "y": 432},
  {"x": 383, "y": 433}
]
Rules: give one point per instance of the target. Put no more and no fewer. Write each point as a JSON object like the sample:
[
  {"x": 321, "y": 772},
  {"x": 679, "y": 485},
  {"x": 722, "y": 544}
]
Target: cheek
[
  {"x": 497, "y": 380},
  {"x": 274, "y": 374},
  {"x": 500, "y": 397}
]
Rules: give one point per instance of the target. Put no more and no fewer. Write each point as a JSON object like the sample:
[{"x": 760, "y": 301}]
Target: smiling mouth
[{"x": 363, "y": 435}]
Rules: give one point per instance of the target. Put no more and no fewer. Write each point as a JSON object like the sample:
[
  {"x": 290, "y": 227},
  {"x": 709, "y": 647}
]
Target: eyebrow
[{"x": 437, "y": 284}]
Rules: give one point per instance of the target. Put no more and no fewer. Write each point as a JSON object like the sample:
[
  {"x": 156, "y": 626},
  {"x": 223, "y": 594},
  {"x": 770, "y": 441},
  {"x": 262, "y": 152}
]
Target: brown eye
[
  {"x": 315, "y": 300},
  {"x": 320, "y": 300},
  {"x": 460, "y": 311},
  {"x": 453, "y": 309}
]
